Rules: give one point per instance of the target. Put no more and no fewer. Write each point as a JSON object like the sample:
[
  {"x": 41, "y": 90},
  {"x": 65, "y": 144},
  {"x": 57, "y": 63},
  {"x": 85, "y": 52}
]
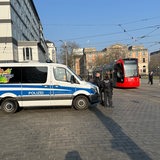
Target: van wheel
[
  {"x": 81, "y": 102},
  {"x": 9, "y": 105}
]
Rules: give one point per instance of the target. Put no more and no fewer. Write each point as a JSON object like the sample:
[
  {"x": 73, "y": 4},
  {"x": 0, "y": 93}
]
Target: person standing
[
  {"x": 97, "y": 82},
  {"x": 150, "y": 78},
  {"x": 108, "y": 91}
]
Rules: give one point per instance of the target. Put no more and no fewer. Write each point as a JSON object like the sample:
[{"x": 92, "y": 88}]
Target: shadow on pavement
[
  {"x": 120, "y": 141},
  {"x": 73, "y": 155}
]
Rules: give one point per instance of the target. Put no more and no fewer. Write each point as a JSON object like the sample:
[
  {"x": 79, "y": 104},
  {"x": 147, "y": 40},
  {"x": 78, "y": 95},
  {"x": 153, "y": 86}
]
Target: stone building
[
  {"x": 154, "y": 63},
  {"x": 21, "y": 32},
  {"x": 77, "y": 54},
  {"x": 91, "y": 58},
  {"x": 143, "y": 58},
  {"x": 51, "y": 51},
  {"x": 116, "y": 51}
]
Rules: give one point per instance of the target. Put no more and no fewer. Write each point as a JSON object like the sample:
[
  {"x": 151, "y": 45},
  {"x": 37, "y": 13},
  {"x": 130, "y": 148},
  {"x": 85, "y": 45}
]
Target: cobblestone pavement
[{"x": 129, "y": 131}]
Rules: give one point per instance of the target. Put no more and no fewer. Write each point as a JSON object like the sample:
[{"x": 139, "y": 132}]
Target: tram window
[{"x": 131, "y": 70}]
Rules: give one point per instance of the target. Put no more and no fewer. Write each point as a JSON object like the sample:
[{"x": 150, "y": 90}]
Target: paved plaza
[{"x": 129, "y": 131}]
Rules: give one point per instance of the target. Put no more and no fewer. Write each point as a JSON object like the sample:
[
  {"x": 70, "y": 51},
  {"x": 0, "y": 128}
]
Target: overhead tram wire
[
  {"x": 138, "y": 38},
  {"x": 141, "y": 20},
  {"x": 149, "y": 33},
  {"x": 94, "y": 25},
  {"x": 135, "y": 40},
  {"x": 114, "y": 33},
  {"x": 156, "y": 27},
  {"x": 125, "y": 31}
]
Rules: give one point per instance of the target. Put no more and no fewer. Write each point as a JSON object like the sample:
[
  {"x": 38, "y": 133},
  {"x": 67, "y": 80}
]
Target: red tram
[{"x": 123, "y": 72}]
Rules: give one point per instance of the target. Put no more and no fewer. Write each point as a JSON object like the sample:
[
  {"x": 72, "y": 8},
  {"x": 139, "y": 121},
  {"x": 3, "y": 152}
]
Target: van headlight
[{"x": 95, "y": 90}]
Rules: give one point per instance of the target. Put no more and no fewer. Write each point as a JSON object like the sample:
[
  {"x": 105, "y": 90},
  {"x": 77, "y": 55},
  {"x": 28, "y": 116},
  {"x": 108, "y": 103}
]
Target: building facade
[
  {"x": 77, "y": 54},
  {"x": 154, "y": 63},
  {"x": 142, "y": 55},
  {"x": 21, "y": 33},
  {"x": 90, "y": 58},
  {"x": 51, "y": 51},
  {"x": 118, "y": 51}
]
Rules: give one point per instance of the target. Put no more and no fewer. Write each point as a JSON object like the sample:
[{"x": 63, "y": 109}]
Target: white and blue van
[{"x": 43, "y": 84}]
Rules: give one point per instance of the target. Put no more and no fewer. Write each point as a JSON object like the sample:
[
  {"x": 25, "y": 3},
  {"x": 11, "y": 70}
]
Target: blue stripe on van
[{"x": 39, "y": 89}]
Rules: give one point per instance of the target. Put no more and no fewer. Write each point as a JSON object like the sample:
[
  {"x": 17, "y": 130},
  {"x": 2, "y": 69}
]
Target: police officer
[
  {"x": 108, "y": 91},
  {"x": 97, "y": 81}
]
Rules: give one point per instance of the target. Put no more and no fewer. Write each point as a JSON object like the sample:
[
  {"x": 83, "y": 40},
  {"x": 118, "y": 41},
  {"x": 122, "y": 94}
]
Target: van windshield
[
  {"x": 62, "y": 74},
  {"x": 77, "y": 76}
]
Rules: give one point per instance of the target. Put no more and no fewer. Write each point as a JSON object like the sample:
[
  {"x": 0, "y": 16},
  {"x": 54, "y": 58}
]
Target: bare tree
[
  {"x": 67, "y": 48},
  {"x": 154, "y": 64}
]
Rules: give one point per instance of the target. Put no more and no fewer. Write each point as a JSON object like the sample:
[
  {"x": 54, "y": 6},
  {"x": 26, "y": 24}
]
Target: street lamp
[
  {"x": 159, "y": 74},
  {"x": 66, "y": 49}
]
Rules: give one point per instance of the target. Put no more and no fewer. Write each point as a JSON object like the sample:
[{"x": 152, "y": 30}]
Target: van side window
[
  {"x": 10, "y": 75},
  {"x": 23, "y": 74},
  {"x": 61, "y": 74},
  {"x": 34, "y": 74}
]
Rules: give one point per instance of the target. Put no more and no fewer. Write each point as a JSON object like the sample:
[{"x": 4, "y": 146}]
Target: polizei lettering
[{"x": 35, "y": 93}]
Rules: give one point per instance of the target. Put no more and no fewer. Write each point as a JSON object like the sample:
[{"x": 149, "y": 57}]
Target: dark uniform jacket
[{"x": 107, "y": 86}]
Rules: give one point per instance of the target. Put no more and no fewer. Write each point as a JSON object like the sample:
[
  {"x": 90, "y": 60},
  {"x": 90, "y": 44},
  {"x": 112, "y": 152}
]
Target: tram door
[{"x": 118, "y": 74}]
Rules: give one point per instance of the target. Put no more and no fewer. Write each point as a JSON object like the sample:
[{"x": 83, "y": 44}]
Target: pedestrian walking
[
  {"x": 150, "y": 78},
  {"x": 108, "y": 91}
]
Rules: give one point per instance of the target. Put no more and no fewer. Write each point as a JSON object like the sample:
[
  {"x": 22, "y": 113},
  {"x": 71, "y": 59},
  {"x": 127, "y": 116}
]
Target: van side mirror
[{"x": 73, "y": 80}]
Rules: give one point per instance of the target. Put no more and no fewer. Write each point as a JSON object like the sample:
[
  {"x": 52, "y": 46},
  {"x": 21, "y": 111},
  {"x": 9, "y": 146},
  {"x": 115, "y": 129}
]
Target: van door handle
[
  {"x": 45, "y": 86},
  {"x": 56, "y": 85}
]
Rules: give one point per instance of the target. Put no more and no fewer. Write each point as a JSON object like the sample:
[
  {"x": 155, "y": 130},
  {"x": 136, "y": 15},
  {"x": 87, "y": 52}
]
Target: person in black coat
[
  {"x": 97, "y": 81},
  {"x": 108, "y": 91},
  {"x": 150, "y": 78}
]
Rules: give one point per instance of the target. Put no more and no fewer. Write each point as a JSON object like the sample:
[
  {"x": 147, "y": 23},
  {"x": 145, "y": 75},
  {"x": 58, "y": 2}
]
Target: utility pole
[
  {"x": 66, "y": 50},
  {"x": 158, "y": 68}
]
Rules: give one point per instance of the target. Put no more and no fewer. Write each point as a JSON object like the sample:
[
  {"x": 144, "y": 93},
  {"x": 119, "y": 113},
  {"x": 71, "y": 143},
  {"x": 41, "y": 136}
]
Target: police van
[{"x": 43, "y": 84}]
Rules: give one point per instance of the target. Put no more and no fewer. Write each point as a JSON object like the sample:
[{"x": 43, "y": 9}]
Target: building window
[
  {"x": 27, "y": 54},
  {"x": 144, "y": 69},
  {"x": 144, "y": 60},
  {"x": 143, "y": 53}
]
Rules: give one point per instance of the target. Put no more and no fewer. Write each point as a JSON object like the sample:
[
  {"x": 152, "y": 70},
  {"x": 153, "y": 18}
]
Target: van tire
[
  {"x": 9, "y": 105},
  {"x": 81, "y": 103}
]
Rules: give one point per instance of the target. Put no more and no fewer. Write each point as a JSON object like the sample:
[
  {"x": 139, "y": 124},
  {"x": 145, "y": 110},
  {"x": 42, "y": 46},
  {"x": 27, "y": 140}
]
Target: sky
[{"x": 101, "y": 23}]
